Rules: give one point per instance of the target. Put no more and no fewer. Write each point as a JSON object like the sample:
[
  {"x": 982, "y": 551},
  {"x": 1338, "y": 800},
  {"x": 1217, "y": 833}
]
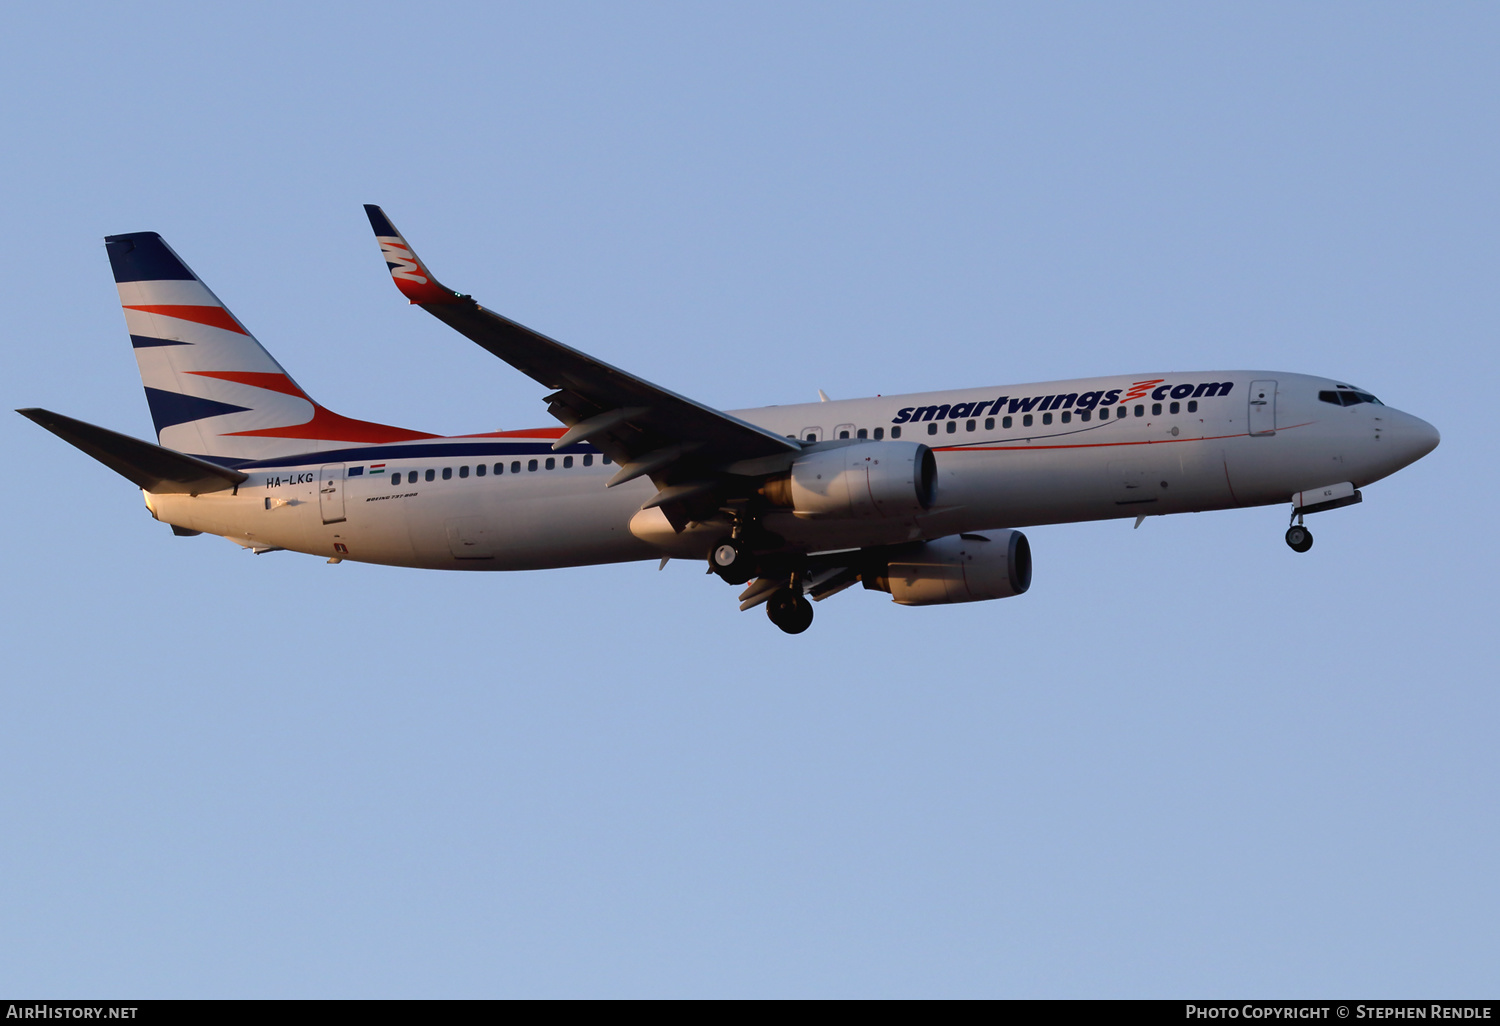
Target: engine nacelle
[
  {"x": 866, "y": 480},
  {"x": 958, "y": 568}
]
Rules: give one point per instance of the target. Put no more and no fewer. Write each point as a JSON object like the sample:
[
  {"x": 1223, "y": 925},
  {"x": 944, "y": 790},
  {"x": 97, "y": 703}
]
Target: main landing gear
[
  {"x": 732, "y": 561},
  {"x": 790, "y": 611},
  {"x": 735, "y": 561}
]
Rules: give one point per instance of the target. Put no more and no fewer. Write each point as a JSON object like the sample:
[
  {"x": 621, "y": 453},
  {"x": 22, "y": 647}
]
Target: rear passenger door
[{"x": 331, "y": 493}]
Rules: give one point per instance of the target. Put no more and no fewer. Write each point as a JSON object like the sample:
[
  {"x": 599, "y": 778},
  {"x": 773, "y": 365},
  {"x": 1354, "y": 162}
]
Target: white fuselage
[{"x": 1054, "y": 466}]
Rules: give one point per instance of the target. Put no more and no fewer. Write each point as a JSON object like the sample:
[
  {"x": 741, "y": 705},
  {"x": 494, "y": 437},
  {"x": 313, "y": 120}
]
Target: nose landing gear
[{"x": 1299, "y": 538}]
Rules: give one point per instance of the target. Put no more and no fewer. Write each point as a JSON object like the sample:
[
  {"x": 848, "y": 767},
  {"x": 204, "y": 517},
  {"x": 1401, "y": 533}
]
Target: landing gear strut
[
  {"x": 1299, "y": 538},
  {"x": 790, "y": 611}
]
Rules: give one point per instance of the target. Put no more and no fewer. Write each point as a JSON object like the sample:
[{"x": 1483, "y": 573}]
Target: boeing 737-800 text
[{"x": 919, "y": 496}]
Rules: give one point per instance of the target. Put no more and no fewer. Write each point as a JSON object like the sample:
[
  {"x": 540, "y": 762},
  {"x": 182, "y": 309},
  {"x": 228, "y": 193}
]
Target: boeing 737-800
[{"x": 919, "y": 496}]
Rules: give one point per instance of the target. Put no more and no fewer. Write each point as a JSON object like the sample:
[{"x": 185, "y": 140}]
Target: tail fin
[{"x": 213, "y": 390}]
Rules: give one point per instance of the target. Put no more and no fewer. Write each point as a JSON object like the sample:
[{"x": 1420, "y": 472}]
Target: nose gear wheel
[{"x": 1299, "y": 538}]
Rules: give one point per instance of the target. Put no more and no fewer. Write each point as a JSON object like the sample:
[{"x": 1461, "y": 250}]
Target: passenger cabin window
[
  {"x": 463, "y": 472},
  {"x": 1026, "y": 420},
  {"x": 895, "y": 432},
  {"x": 499, "y": 468},
  {"x": 1007, "y": 422},
  {"x": 588, "y": 459},
  {"x": 1140, "y": 411},
  {"x": 1174, "y": 408},
  {"x": 969, "y": 426},
  {"x": 861, "y": 433},
  {"x": 932, "y": 429},
  {"x": 952, "y": 426},
  {"x": 479, "y": 470},
  {"x": 447, "y": 473},
  {"x": 430, "y": 475},
  {"x": 567, "y": 462},
  {"x": 515, "y": 466},
  {"x": 395, "y": 479},
  {"x": 531, "y": 464},
  {"x": 880, "y": 433},
  {"x": 989, "y": 423},
  {"x": 1156, "y": 409},
  {"x": 551, "y": 463},
  {"x": 1084, "y": 415},
  {"x": 1046, "y": 418},
  {"x": 1067, "y": 417},
  {"x": 1193, "y": 406}
]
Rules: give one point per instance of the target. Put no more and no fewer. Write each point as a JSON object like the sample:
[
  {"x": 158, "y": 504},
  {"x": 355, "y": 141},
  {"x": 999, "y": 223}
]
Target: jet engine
[
  {"x": 958, "y": 568},
  {"x": 866, "y": 480}
]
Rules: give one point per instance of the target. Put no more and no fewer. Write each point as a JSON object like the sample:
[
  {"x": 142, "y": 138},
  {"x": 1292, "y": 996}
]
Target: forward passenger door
[{"x": 1262, "y": 407}]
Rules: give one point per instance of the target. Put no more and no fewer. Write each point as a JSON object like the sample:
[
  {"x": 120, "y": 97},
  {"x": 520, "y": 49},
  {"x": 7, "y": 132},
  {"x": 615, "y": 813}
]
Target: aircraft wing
[{"x": 685, "y": 447}]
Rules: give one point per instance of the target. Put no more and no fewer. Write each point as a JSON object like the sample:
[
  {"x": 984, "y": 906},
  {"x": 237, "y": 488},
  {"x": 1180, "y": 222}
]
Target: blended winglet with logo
[{"x": 407, "y": 270}]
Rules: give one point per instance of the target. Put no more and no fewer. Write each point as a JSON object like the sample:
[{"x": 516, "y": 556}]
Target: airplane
[{"x": 919, "y": 496}]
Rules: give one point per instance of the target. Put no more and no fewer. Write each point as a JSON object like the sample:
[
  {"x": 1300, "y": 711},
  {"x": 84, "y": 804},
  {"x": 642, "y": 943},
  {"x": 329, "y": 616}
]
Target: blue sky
[{"x": 1188, "y": 762}]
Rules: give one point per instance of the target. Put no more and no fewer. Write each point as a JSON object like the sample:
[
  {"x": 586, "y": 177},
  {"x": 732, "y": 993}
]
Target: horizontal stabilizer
[{"x": 151, "y": 467}]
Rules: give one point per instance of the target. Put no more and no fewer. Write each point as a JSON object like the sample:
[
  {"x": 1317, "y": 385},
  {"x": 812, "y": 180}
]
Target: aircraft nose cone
[
  {"x": 1427, "y": 437},
  {"x": 1415, "y": 438}
]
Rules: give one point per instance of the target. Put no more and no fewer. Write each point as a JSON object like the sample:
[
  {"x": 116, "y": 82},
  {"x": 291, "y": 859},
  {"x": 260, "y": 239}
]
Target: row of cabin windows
[
  {"x": 1027, "y": 420},
  {"x": 550, "y": 463},
  {"x": 812, "y": 436}
]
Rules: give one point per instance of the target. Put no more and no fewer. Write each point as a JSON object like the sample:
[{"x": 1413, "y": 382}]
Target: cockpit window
[{"x": 1348, "y": 397}]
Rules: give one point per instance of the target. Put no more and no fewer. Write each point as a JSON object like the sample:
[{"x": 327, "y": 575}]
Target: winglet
[{"x": 407, "y": 270}]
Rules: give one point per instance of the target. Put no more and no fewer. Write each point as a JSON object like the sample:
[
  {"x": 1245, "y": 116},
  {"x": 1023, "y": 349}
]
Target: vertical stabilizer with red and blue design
[{"x": 213, "y": 389}]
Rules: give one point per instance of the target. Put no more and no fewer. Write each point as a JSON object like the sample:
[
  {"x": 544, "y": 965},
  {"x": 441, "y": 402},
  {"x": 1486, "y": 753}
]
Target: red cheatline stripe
[
  {"x": 530, "y": 433},
  {"x": 213, "y": 316},
  {"x": 1101, "y": 445}
]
